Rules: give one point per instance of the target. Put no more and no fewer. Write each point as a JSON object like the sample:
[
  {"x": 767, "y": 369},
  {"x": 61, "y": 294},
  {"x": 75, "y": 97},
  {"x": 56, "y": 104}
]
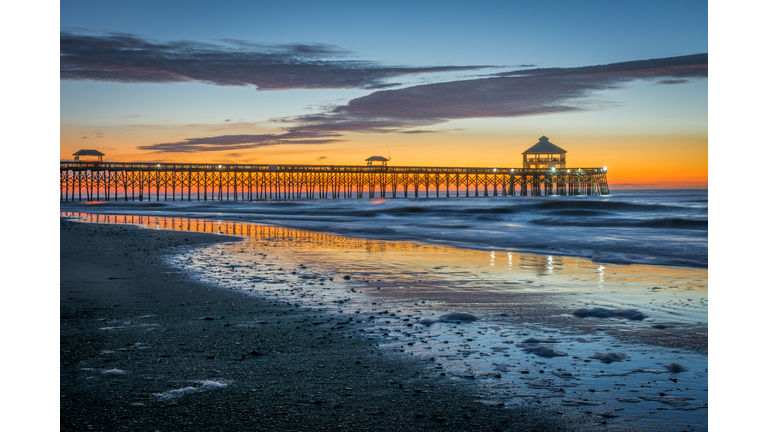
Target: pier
[{"x": 105, "y": 181}]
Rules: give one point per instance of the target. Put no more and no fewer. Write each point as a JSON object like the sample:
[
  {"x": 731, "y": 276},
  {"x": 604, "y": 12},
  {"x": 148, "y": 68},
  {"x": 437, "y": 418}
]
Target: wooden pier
[{"x": 105, "y": 181}]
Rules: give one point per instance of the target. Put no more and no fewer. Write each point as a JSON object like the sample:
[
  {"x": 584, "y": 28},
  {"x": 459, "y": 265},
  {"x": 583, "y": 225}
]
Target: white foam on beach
[
  {"x": 205, "y": 385},
  {"x": 113, "y": 372}
]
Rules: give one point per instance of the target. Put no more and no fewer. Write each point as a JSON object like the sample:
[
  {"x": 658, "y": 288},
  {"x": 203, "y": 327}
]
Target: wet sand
[{"x": 145, "y": 347}]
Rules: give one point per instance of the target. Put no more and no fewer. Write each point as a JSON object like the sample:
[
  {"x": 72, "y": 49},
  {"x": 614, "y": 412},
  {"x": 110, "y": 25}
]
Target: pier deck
[{"x": 104, "y": 181}]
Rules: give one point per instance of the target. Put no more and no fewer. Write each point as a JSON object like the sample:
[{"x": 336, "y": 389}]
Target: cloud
[
  {"x": 408, "y": 110},
  {"x": 510, "y": 94},
  {"x": 674, "y": 81},
  {"x": 694, "y": 65},
  {"x": 238, "y": 142},
  {"x": 126, "y": 58}
]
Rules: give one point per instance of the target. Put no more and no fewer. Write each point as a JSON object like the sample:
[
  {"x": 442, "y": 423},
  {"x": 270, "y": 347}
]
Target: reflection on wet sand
[
  {"x": 538, "y": 265},
  {"x": 493, "y": 282},
  {"x": 527, "y": 346}
]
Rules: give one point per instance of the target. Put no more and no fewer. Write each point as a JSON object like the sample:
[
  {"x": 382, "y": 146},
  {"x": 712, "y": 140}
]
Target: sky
[{"x": 621, "y": 85}]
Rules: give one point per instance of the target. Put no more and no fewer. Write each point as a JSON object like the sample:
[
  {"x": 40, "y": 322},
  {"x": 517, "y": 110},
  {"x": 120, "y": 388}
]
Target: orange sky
[{"x": 632, "y": 161}]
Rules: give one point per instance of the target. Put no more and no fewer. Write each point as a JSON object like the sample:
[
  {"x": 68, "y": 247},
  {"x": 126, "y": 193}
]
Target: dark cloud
[
  {"x": 682, "y": 66},
  {"x": 127, "y": 58},
  {"x": 237, "y": 142},
  {"x": 406, "y": 110},
  {"x": 317, "y": 49},
  {"x": 674, "y": 81},
  {"x": 418, "y": 131},
  {"x": 512, "y": 94}
]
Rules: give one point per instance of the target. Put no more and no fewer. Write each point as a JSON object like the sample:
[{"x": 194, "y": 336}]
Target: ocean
[
  {"x": 596, "y": 306},
  {"x": 657, "y": 227}
]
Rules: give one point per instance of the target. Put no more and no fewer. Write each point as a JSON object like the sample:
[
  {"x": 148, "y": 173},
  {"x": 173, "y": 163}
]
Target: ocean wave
[
  {"x": 641, "y": 228},
  {"x": 674, "y": 223},
  {"x": 579, "y": 213},
  {"x": 605, "y": 205}
]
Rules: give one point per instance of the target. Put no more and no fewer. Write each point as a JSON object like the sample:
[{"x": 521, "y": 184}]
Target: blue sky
[
  {"x": 298, "y": 82},
  {"x": 546, "y": 33}
]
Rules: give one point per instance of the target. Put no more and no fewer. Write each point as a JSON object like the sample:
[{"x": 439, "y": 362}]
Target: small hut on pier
[
  {"x": 544, "y": 154},
  {"x": 381, "y": 161},
  {"x": 88, "y": 154}
]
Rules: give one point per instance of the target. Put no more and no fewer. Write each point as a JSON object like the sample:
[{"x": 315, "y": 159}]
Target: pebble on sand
[
  {"x": 675, "y": 367},
  {"x": 630, "y": 314},
  {"x": 609, "y": 357},
  {"x": 454, "y": 317},
  {"x": 544, "y": 351}
]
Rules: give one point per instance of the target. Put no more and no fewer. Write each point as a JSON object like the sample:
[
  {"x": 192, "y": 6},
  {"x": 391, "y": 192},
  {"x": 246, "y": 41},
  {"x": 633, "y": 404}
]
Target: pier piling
[{"x": 95, "y": 181}]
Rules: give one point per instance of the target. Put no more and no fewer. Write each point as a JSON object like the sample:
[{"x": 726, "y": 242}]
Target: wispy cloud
[
  {"x": 509, "y": 94},
  {"x": 419, "y": 131},
  {"x": 120, "y": 57},
  {"x": 238, "y": 142}
]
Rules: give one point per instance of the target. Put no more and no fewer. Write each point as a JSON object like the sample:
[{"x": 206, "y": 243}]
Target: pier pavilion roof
[
  {"x": 544, "y": 146},
  {"x": 88, "y": 153},
  {"x": 377, "y": 159}
]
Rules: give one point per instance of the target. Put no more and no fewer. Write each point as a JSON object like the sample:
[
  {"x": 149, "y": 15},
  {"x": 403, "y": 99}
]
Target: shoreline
[
  {"x": 332, "y": 254},
  {"x": 608, "y": 234},
  {"x": 144, "y": 347}
]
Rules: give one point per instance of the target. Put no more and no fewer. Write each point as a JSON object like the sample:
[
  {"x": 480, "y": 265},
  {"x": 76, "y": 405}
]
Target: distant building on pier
[
  {"x": 88, "y": 153},
  {"x": 381, "y": 161},
  {"x": 544, "y": 154}
]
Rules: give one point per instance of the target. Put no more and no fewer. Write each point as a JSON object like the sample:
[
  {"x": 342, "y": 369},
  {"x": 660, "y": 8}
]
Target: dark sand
[{"x": 132, "y": 328}]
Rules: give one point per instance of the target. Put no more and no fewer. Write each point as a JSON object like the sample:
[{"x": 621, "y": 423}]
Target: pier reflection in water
[
  {"x": 472, "y": 279},
  {"x": 385, "y": 289}
]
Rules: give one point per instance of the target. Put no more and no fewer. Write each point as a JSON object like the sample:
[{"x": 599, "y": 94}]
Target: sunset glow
[{"x": 638, "y": 104}]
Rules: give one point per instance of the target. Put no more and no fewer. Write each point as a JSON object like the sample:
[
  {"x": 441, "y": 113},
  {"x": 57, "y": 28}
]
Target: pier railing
[{"x": 280, "y": 181}]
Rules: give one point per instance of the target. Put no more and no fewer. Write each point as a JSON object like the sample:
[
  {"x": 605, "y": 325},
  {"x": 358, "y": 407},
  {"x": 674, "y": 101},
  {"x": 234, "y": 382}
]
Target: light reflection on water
[{"x": 393, "y": 285}]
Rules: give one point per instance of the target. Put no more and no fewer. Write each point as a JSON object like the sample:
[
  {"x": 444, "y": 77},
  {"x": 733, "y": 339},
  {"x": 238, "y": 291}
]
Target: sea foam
[{"x": 205, "y": 385}]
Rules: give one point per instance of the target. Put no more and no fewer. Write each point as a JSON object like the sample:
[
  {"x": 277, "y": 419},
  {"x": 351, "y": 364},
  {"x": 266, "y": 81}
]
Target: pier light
[
  {"x": 569, "y": 170},
  {"x": 605, "y": 168},
  {"x": 512, "y": 170},
  {"x": 494, "y": 170},
  {"x": 219, "y": 166}
]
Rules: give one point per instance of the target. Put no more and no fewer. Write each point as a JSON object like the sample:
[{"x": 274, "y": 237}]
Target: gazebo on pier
[
  {"x": 544, "y": 154},
  {"x": 381, "y": 161},
  {"x": 88, "y": 153}
]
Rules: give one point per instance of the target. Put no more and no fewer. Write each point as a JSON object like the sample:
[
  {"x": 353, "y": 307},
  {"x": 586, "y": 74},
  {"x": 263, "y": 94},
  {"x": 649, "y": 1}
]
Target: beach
[
  {"x": 146, "y": 346},
  {"x": 271, "y": 327}
]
